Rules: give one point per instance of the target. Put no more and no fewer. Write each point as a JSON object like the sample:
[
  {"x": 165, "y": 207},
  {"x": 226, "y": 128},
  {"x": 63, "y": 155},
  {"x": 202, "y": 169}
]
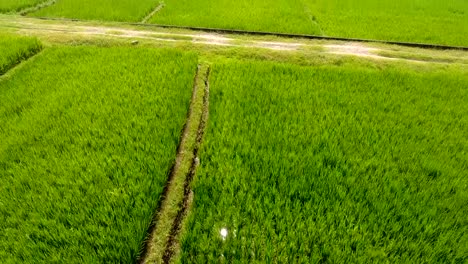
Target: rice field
[
  {"x": 14, "y": 49},
  {"x": 257, "y": 15},
  {"x": 345, "y": 159},
  {"x": 332, "y": 164},
  {"x": 16, "y": 5},
  {"x": 432, "y": 21},
  {"x": 429, "y": 21},
  {"x": 88, "y": 137},
  {"x": 109, "y": 10}
]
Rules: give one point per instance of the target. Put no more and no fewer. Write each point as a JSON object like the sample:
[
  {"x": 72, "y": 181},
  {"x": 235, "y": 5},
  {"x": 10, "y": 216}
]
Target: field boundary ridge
[
  {"x": 154, "y": 12},
  {"x": 173, "y": 200},
  {"x": 305, "y": 36},
  {"x": 19, "y": 63},
  {"x": 276, "y": 34},
  {"x": 173, "y": 245},
  {"x": 37, "y": 7}
]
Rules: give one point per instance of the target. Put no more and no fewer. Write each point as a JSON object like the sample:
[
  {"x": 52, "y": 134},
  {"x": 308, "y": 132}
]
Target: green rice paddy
[
  {"x": 110, "y": 10},
  {"x": 332, "y": 165},
  {"x": 432, "y": 21},
  {"x": 16, "y": 5},
  {"x": 358, "y": 158},
  {"x": 88, "y": 137},
  {"x": 14, "y": 49}
]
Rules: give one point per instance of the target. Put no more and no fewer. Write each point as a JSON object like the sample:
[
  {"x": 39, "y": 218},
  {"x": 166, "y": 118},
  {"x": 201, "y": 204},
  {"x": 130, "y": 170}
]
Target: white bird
[{"x": 224, "y": 233}]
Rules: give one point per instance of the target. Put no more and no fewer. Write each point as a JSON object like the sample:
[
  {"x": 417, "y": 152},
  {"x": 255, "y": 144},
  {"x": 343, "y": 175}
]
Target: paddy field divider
[
  {"x": 278, "y": 34},
  {"x": 162, "y": 239}
]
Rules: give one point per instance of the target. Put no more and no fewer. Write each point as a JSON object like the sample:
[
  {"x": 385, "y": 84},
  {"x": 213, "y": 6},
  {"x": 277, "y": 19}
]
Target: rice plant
[
  {"x": 431, "y": 21},
  {"x": 16, "y": 5},
  {"x": 111, "y": 10},
  {"x": 14, "y": 49},
  {"x": 88, "y": 137},
  {"x": 332, "y": 164}
]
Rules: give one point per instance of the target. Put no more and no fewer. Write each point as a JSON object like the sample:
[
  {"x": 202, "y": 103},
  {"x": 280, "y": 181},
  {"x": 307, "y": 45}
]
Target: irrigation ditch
[{"x": 71, "y": 31}]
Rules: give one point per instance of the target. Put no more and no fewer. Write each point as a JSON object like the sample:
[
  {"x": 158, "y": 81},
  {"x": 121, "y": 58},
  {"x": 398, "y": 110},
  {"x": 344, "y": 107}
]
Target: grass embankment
[
  {"x": 109, "y": 10},
  {"x": 88, "y": 138},
  {"x": 14, "y": 49},
  {"x": 339, "y": 164},
  {"x": 163, "y": 241},
  {"x": 432, "y": 21}
]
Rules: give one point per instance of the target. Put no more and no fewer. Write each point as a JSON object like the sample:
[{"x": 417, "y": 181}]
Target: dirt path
[
  {"x": 356, "y": 49},
  {"x": 59, "y": 28}
]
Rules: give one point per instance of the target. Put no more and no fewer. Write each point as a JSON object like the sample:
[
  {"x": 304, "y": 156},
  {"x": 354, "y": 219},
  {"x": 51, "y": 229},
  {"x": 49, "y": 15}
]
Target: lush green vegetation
[
  {"x": 88, "y": 136},
  {"x": 15, "y": 5},
  {"x": 340, "y": 164},
  {"x": 14, "y": 49},
  {"x": 120, "y": 10},
  {"x": 431, "y": 21},
  {"x": 270, "y": 15}
]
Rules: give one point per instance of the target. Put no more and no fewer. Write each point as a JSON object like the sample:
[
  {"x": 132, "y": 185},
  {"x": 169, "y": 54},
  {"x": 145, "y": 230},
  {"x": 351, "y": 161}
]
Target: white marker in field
[{"x": 224, "y": 233}]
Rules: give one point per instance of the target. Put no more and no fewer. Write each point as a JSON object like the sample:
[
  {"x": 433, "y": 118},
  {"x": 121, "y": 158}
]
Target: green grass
[
  {"x": 431, "y": 21},
  {"x": 112, "y": 10},
  {"x": 14, "y": 49},
  {"x": 88, "y": 136},
  {"x": 16, "y": 5},
  {"x": 332, "y": 165}
]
